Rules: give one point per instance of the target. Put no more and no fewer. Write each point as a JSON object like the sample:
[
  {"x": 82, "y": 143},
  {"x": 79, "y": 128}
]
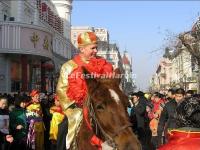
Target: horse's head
[{"x": 109, "y": 104}]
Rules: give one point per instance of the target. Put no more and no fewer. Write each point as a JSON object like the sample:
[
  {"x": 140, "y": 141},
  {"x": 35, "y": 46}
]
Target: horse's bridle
[{"x": 109, "y": 139}]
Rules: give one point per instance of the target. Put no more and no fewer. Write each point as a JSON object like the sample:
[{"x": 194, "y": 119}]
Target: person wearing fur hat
[
  {"x": 36, "y": 125},
  {"x": 187, "y": 135},
  {"x": 71, "y": 87}
]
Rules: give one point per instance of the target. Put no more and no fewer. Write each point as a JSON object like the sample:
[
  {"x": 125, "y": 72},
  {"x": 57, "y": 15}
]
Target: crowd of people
[
  {"x": 157, "y": 117},
  {"x": 163, "y": 122},
  {"x": 39, "y": 121},
  {"x": 29, "y": 121}
]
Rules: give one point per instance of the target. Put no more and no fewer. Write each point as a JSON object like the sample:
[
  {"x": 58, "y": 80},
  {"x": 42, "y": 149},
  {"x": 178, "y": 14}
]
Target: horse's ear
[
  {"x": 90, "y": 79},
  {"x": 117, "y": 75}
]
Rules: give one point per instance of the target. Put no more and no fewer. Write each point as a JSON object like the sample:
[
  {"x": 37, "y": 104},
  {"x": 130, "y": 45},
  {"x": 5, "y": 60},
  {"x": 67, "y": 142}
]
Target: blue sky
[{"x": 139, "y": 26}]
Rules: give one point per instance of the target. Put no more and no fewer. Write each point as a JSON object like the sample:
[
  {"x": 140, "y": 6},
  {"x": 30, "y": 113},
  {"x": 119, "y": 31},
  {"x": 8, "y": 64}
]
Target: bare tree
[{"x": 191, "y": 42}]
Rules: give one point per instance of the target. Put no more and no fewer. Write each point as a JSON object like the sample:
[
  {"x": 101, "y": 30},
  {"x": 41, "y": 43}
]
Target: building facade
[
  {"x": 34, "y": 43},
  {"x": 178, "y": 71},
  {"x": 129, "y": 77},
  {"x": 163, "y": 77},
  {"x": 184, "y": 70}
]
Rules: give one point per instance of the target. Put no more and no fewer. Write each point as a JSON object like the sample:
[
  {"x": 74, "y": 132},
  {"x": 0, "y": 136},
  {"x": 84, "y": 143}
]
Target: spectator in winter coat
[
  {"x": 138, "y": 112},
  {"x": 18, "y": 123},
  {"x": 167, "y": 118},
  {"x": 187, "y": 134},
  {"x": 5, "y": 138}
]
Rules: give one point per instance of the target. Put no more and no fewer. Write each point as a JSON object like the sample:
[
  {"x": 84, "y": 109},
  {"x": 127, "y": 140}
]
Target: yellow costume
[
  {"x": 35, "y": 107},
  {"x": 57, "y": 118}
]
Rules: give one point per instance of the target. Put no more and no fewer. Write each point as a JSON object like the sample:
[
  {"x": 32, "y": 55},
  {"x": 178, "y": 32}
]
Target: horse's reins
[{"x": 109, "y": 139}]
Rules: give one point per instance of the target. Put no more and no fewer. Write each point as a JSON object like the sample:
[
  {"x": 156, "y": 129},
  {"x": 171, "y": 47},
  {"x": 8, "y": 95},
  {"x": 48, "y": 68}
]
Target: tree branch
[{"x": 191, "y": 44}]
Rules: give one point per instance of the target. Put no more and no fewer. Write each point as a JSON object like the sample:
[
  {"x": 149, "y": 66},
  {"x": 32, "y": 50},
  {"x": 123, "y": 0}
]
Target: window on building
[
  {"x": 75, "y": 35},
  {"x": 29, "y": 14},
  {"x": 16, "y": 77},
  {"x": 5, "y": 13},
  {"x": 193, "y": 63},
  {"x": 5, "y": 17}
]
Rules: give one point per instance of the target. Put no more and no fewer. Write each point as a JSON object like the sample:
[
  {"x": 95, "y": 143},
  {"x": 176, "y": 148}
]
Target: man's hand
[
  {"x": 9, "y": 138},
  {"x": 19, "y": 127},
  {"x": 148, "y": 109}
]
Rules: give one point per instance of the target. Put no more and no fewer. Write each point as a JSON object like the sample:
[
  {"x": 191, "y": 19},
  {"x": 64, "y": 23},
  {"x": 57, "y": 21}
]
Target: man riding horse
[{"x": 72, "y": 88}]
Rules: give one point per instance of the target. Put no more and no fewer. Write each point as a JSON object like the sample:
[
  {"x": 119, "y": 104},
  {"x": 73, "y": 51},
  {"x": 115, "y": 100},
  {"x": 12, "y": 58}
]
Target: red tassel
[
  {"x": 96, "y": 141},
  {"x": 85, "y": 115}
]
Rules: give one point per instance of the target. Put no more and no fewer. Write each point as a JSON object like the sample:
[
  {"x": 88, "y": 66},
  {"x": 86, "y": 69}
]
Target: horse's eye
[{"x": 99, "y": 107}]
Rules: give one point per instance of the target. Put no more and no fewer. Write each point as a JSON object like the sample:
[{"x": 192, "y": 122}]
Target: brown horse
[{"x": 105, "y": 118}]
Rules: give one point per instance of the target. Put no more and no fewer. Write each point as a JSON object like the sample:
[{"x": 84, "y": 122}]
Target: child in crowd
[
  {"x": 57, "y": 118},
  {"x": 154, "y": 115},
  {"x": 5, "y": 138},
  {"x": 18, "y": 123},
  {"x": 36, "y": 124}
]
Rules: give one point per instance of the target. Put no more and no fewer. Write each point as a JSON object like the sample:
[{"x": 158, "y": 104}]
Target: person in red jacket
[{"x": 187, "y": 135}]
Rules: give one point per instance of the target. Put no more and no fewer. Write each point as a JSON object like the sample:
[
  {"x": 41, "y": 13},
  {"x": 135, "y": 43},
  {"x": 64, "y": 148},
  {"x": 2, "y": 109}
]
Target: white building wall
[
  {"x": 182, "y": 73},
  {"x": 64, "y": 8},
  {"x": 20, "y": 8}
]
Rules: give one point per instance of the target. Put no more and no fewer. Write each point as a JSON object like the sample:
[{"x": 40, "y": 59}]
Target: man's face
[
  {"x": 135, "y": 99},
  {"x": 89, "y": 51},
  {"x": 169, "y": 94},
  {"x": 3, "y": 103},
  {"x": 22, "y": 104},
  {"x": 57, "y": 103},
  {"x": 188, "y": 95},
  {"x": 156, "y": 99},
  {"x": 179, "y": 97},
  {"x": 36, "y": 98}
]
